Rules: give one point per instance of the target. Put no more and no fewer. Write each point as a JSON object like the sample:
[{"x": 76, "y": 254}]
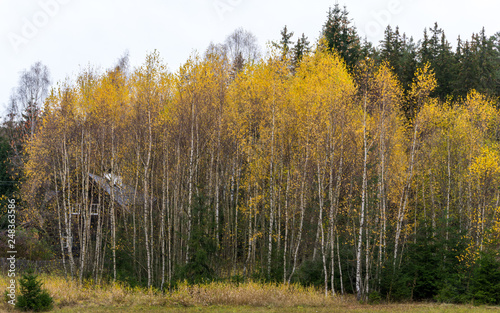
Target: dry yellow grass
[
  {"x": 70, "y": 293},
  {"x": 69, "y": 296},
  {"x": 250, "y": 294}
]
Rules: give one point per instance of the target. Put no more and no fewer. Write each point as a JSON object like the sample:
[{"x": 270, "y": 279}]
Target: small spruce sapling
[{"x": 33, "y": 297}]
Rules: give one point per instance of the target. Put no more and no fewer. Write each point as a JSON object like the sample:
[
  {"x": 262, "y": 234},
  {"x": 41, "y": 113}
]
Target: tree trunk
[
  {"x": 320, "y": 227},
  {"x": 359, "y": 291},
  {"x": 285, "y": 240},
  {"x": 302, "y": 213},
  {"x": 191, "y": 174},
  {"x": 404, "y": 196},
  {"x": 271, "y": 200},
  {"x": 146, "y": 199}
]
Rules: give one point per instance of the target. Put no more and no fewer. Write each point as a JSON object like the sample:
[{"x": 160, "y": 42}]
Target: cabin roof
[{"x": 123, "y": 194}]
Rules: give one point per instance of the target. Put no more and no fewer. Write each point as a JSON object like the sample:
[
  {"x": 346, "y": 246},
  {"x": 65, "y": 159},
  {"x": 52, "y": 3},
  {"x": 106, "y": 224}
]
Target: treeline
[
  {"x": 473, "y": 64},
  {"x": 303, "y": 166}
]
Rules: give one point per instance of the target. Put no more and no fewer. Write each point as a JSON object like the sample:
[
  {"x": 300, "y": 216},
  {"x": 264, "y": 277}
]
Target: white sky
[{"x": 67, "y": 35}]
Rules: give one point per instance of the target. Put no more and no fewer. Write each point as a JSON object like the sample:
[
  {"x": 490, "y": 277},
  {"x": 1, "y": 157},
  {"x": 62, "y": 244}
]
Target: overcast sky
[{"x": 67, "y": 35}]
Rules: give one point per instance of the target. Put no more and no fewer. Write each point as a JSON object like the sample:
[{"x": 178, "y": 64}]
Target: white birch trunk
[{"x": 359, "y": 291}]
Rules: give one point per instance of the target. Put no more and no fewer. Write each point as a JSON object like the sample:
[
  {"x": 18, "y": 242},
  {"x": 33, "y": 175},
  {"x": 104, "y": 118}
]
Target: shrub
[
  {"x": 485, "y": 287},
  {"x": 33, "y": 297},
  {"x": 374, "y": 297},
  {"x": 310, "y": 273}
]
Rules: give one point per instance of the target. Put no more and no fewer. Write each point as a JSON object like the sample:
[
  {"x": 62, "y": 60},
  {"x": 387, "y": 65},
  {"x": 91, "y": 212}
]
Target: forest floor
[{"x": 71, "y": 297}]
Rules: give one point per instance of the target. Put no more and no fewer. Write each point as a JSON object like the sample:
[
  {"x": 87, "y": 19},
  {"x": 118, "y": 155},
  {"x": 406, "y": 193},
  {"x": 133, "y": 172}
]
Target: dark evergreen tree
[
  {"x": 301, "y": 48},
  {"x": 485, "y": 287},
  {"x": 33, "y": 297},
  {"x": 425, "y": 52},
  {"x": 200, "y": 266},
  {"x": 341, "y": 36},
  {"x": 368, "y": 51},
  {"x": 436, "y": 50},
  {"x": 387, "y": 45},
  {"x": 478, "y": 65},
  {"x": 488, "y": 64},
  {"x": 6, "y": 184},
  {"x": 408, "y": 62},
  {"x": 469, "y": 69},
  {"x": 496, "y": 62},
  {"x": 459, "y": 60},
  {"x": 285, "y": 44},
  {"x": 444, "y": 67},
  {"x": 400, "y": 54}
]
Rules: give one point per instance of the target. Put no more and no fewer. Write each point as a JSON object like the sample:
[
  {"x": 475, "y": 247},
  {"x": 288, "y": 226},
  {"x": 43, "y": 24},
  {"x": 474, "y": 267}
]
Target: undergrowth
[{"x": 71, "y": 293}]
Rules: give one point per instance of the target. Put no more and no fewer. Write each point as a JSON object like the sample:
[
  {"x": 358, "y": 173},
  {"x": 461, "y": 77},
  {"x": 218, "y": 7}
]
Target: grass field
[
  {"x": 406, "y": 308},
  {"x": 217, "y": 297}
]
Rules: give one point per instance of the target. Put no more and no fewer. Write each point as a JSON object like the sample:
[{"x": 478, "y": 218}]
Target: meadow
[{"x": 69, "y": 297}]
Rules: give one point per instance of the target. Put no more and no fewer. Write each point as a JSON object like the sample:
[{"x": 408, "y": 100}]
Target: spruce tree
[
  {"x": 33, "y": 297},
  {"x": 444, "y": 67},
  {"x": 299, "y": 50},
  {"x": 485, "y": 285},
  {"x": 341, "y": 36},
  {"x": 285, "y": 44},
  {"x": 408, "y": 62}
]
